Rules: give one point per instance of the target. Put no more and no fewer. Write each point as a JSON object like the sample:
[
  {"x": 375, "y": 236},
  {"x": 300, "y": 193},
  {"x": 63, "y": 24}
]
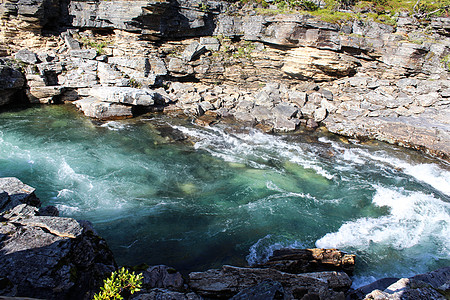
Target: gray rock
[
  {"x": 284, "y": 111},
  {"x": 124, "y": 95},
  {"x": 26, "y": 56},
  {"x": 70, "y": 42},
  {"x": 45, "y": 94},
  {"x": 78, "y": 78},
  {"x": 51, "y": 257},
  {"x": 14, "y": 192},
  {"x": 179, "y": 68},
  {"x": 109, "y": 75},
  {"x": 244, "y": 117},
  {"x": 210, "y": 43},
  {"x": 204, "y": 106},
  {"x": 94, "y": 108},
  {"x": 158, "y": 67},
  {"x": 50, "y": 211},
  {"x": 428, "y": 99},
  {"x": 34, "y": 80},
  {"x": 261, "y": 113},
  {"x": 327, "y": 94},
  {"x": 284, "y": 125},
  {"x": 267, "y": 290},
  {"x": 229, "y": 281},
  {"x": 12, "y": 82},
  {"x": 407, "y": 288},
  {"x": 192, "y": 51},
  {"x": 162, "y": 277},
  {"x": 162, "y": 294},
  {"x": 141, "y": 64},
  {"x": 311, "y": 123},
  {"x": 320, "y": 114},
  {"x": 85, "y": 53},
  {"x": 297, "y": 98}
]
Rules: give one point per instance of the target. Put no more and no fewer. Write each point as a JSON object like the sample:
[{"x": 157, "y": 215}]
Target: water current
[{"x": 231, "y": 196}]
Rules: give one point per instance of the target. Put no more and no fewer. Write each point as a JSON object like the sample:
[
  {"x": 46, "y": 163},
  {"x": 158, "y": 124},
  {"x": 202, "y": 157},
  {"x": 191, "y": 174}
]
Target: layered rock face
[{"x": 215, "y": 59}]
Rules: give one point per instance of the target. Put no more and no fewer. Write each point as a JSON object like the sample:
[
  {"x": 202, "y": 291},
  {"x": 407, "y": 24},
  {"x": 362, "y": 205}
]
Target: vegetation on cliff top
[{"x": 339, "y": 11}]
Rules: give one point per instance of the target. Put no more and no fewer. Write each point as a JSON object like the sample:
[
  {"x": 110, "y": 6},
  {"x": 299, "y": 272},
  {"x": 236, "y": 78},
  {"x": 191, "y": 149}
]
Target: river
[{"x": 228, "y": 195}]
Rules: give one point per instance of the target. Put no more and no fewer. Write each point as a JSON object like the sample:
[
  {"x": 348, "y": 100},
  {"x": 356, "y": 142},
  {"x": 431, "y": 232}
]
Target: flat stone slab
[
  {"x": 124, "y": 95},
  {"x": 95, "y": 108}
]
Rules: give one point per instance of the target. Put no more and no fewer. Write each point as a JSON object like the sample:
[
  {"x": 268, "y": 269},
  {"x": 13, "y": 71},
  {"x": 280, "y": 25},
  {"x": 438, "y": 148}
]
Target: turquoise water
[{"x": 231, "y": 196}]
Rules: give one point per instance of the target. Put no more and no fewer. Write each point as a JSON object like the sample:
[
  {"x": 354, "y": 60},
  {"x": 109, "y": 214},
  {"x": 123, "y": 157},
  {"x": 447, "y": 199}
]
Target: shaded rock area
[
  {"x": 45, "y": 256},
  {"x": 12, "y": 83}
]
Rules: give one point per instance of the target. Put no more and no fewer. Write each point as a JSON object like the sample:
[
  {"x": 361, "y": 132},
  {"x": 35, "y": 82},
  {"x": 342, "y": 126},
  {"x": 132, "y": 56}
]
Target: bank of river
[{"x": 229, "y": 196}]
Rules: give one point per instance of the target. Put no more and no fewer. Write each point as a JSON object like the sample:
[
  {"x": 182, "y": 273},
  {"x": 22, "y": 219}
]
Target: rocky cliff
[{"x": 213, "y": 59}]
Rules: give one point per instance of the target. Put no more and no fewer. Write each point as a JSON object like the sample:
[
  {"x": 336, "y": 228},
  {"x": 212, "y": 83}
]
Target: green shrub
[{"x": 120, "y": 284}]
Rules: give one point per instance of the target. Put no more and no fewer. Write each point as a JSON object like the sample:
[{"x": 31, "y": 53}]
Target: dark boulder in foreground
[{"x": 44, "y": 256}]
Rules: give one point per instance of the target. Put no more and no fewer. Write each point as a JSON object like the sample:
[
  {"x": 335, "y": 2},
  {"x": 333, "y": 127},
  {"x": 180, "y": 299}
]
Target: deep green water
[{"x": 232, "y": 196}]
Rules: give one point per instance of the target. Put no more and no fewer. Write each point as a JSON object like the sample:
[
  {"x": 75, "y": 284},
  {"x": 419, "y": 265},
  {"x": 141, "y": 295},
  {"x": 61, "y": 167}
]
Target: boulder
[
  {"x": 44, "y": 256},
  {"x": 51, "y": 257},
  {"x": 297, "y": 261},
  {"x": 229, "y": 281},
  {"x": 14, "y": 192},
  {"x": 124, "y": 95},
  {"x": 284, "y": 110},
  {"x": 12, "y": 82},
  {"x": 178, "y": 67},
  {"x": 45, "y": 94},
  {"x": 97, "y": 109},
  {"x": 163, "y": 294},
  {"x": 268, "y": 290},
  {"x": 192, "y": 51},
  {"x": 162, "y": 277},
  {"x": 26, "y": 56},
  {"x": 318, "y": 65},
  {"x": 210, "y": 43},
  {"x": 84, "y": 53}
]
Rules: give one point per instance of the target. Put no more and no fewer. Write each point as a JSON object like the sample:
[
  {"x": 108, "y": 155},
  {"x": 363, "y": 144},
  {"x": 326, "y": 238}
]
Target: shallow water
[{"x": 232, "y": 196}]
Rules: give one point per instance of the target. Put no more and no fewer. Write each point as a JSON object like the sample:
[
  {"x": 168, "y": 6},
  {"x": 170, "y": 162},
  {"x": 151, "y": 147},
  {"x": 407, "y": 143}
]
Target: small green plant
[
  {"x": 204, "y": 7},
  {"x": 446, "y": 62},
  {"x": 134, "y": 83},
  {"x": 121, "y": 283},
  {"x": 99, "y": 46}
]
